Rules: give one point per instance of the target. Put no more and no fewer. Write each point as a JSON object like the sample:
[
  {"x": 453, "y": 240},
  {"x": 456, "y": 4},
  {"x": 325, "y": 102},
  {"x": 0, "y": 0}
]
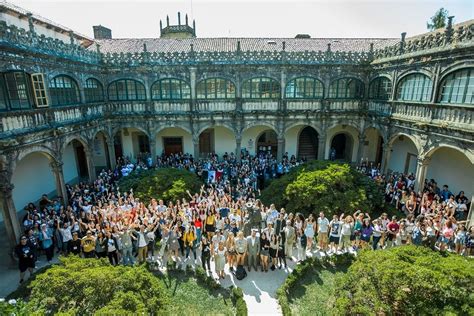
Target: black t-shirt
[
  {"x": 24, "y": 253},
  {"x": 75, "y": 246}
]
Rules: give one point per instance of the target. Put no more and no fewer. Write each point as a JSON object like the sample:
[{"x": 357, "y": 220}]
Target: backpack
[{"x": 240, "y": 272}]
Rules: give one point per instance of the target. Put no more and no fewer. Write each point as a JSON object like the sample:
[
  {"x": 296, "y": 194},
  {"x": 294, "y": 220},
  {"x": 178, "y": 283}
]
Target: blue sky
[{"x": 260, "y": 18}]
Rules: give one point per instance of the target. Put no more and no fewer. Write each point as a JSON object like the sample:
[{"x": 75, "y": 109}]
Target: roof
[
  {"x": 10, "y": 6},
  {"x": 222, "y": 44}
]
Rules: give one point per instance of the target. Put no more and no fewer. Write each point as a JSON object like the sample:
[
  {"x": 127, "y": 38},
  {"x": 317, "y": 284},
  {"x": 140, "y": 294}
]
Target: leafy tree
[
  {"x": 84, "y": 286},
  {"x": 168, "y": 184},
  {"x": 407, "y": 280},
  {"x": 438, "y": 20},
  {"x": 324, "y": 186}
]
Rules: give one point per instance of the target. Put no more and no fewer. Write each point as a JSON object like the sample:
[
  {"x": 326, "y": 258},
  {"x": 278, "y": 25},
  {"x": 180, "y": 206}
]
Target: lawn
[{"x": 313, "y": 293}]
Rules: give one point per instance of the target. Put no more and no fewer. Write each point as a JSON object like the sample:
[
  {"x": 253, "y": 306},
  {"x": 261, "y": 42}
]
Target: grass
[{"x": 314, "y": 292}]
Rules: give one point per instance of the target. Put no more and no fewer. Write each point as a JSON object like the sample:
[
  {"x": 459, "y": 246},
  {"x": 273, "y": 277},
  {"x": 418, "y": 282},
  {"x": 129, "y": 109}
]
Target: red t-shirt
[{"x": 393, "y": 227}]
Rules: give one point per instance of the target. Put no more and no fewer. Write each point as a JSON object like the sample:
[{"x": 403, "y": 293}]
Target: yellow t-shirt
[{"x": 88, "y": 243}]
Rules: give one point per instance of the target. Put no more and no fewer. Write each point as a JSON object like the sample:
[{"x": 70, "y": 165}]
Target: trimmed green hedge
[
  {"x": 300, "y": 271},
  {"x": 407, "y": 280},
  {"x": 168, "y": 184},
  {"x": 324, "y": 186}
]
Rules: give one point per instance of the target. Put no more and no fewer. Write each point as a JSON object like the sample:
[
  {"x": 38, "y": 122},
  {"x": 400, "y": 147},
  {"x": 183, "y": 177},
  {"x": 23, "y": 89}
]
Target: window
[
  {"x": 380, "y": 89},
  {"x": 415, "y": 87},
  {"x": 170, "y": 89},
  {"x": 18, "y": 87},
  {"x": 39, "y": 90},
  {"x": 126, "y": 90},
  {"x": 215, "y": 88},
  {"x": 346, "y": 88},
  {"x": 93, "y": 90},
  {"x": 304, "y": 88},
  {"x": 458, "y": 87},
  {"x": 261, "y": 88},
  {"x": 63, "y": 91},
  {"x": 3, "y": 95}
]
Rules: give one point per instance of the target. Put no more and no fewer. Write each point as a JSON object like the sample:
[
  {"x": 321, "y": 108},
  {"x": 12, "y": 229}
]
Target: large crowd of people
[{"x": 225, "y": 225}]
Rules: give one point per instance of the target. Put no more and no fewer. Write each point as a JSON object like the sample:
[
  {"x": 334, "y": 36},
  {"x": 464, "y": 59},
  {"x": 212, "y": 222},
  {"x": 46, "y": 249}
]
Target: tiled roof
[{"x": 165, "y": 45}]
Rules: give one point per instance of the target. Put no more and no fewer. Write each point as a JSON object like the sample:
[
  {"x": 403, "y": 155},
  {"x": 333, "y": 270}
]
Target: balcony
[
  {"x": 260, "y": 105},
  {"x": 214, "y": 106}
]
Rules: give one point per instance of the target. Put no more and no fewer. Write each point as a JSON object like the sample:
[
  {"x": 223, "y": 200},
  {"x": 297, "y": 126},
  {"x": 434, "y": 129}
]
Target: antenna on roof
[
  {"x": 186, "y": 19},
  {"x": 179, "y": 18},
  {"x": 167, "y": 21}
]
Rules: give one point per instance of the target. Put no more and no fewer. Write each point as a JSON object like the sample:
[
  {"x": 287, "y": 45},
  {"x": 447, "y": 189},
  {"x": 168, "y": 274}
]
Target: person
[
  {"x": 142, "y": 244},
  {"x": 323, "y": 227},
  {"x": 253, "y": 250},
  {"x": 290, "y": 238},
  {"x": 74, "y": 246},
  {"x": 273, "y": 250},
  {"x": 281, "y": 253},
  {"x": 100, "y": 247},
  {"x": 301, "y": 245},
  {"x": 366, "y": 232},
  {"x": 111, "y": 248},
  {"x": 335, "y": 233},
  {"x": 231, "y": 252},
  {"x": 205, "y": 254},
  {"x": 66, "y": 236},
  {"x": 377, "y": 233},
  {"x": 46, "y": 240},
  {"x": 240, "y": 247},
  {"x": 173, "y": 244},
  {"x": 189, "y": 239},
  {"x": 392, "y": 231},
  {"x": 460, "y": 239},
  {"x": 33, "y": 243},
  {"x": 264, "y": 251},
  {"x": 445, "y": 235},
  {"x": 346, "y": 232},
  {"x": 219, "y": 259},
  {"x": 25, "y": 257},
  {"x": 88, "y": 245},
  {"x": 309, "y": 231}
]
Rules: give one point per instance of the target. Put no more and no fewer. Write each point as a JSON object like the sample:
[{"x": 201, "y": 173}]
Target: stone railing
[
  {"x": 249, "y": 106},
  {"x": 214, "y": 106},
  {"x": 12, "y": 36},
  {"x": 452, "y": 36},
  {"x": 344, "y": 105},
  {"x": 304, "y": 105}
]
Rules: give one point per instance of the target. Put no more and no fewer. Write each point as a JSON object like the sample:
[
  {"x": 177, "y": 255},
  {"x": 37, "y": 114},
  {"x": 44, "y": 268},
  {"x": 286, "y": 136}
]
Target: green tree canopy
[
  {"x": 168, "y": 184},
  {"x": 324, "y": 186},
  {"x": 407, "y": 280},
  {"x": 438, "y": 20}
]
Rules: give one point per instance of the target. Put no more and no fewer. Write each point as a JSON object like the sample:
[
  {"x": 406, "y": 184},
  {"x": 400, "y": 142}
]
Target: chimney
[{"x": 101, "y": 32}]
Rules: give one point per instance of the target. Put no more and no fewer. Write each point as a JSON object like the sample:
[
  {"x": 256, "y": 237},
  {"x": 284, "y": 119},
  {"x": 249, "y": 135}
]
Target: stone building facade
[{"x": 70, "y": 105}]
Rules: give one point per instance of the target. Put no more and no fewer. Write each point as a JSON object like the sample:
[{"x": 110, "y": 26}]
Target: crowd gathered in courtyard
[{"x": 225, "y": 225}]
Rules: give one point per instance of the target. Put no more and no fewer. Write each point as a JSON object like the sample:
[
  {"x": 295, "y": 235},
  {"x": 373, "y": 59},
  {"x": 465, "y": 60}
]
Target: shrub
[
  {"x": 83, "y": 286},
  {"x": 407, "y": 280},
  {"x": 324, "y": 186},
  {"x": 168, "y": 184}
]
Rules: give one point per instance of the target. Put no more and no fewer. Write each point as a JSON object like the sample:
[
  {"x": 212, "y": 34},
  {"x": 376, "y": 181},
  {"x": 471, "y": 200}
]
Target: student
[
  {"x": 25, "y": 257},
  {"x": 205, "y": 254},
  {"x": 88, "y": 245},
  {"x": 219, "y": 259},
  {"x": 335, "y": 233},
  {"x": 323, "y": 227},
  {"x": 264, "y": 252},
  {"x": 301, "y": 244},
  {"x": 46, "y": 240}
]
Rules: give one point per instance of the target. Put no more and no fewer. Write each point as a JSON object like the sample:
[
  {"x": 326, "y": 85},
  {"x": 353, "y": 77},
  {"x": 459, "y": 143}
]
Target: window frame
[
  {"x": 315, "y": 88},
  {"x": 125, "y": 94},
  {"x": 217, "y": 94},
  {"x": 64, "y": 91},
  {"x": 93, "y": 94},
  {"x": 257, "y": 82},
  {"x": 377, "y": 80},
  {"x": 468, "y": 86},
  {"x": 338, "y": 83},
  {"x": 416, "y": 91},
  {"x": 166, "y": 89}
]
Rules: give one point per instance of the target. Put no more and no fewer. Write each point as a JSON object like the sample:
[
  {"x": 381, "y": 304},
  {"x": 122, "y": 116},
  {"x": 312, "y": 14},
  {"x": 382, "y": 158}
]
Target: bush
[
  {"x": 407, "y": 280},
  {"x": 168, "y": 184},
  {"x": 84, "y": 286},
  {"x": 324, "y": 186}
]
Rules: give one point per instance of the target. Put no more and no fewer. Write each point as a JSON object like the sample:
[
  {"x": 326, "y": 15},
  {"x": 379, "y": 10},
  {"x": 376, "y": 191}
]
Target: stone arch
[
  {"x": 382, "y": 74},
  {"x": 253, "y": 131},
  {"x": 345, "y": 147},
  {"x": 224, "y": 125},
  {"x": 372, "y": 147},
  {"x": 416, "y": 141},
  {"x": 258, "y": 123},
  {"x": 404, "y": 152},
  {"x": 72, "y": 75},
  {"x": 217, "y": 138},
  {"x": 424, "y": 71},
  {"x": 83, "y": 140},
  {"x": 293, "y": 140},
  {"x": 45, "y": 150},
  {"x": 455, "y": 67},
  {"x": 174, "y": 138}
]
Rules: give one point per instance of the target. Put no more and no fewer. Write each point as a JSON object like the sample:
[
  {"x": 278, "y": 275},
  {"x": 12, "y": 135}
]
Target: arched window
[
  {"x": 126, "y": 90},
  {"x": 93, "y": 90},
  {"x": 304, "y": 88},
  {"x": 415, "y": 87},
  {"x": 261, "y": 88},
  {"x": 458, "y": 87},
  {"x": 63, "y": 91},
  {"x": 17, "y": 90},
  {"x": 215, "y": 88},
  {"x": 380, "y": 88},
  {"x": 346, "y": 88},
  {"x": 170, "y": 89}
]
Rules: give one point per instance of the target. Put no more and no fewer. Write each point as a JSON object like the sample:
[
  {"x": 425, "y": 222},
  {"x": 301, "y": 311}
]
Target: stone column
[
  {"x": 196, "y": 147},
  {"x": 321, "y": 146},
  {"x": 281, "y": 147},
  {"x": 421, "y": 171},
  {"x": 90, "y": 164},
  {"x": 111, "y": 150},
  {"x": 360, "y": 149},
  {"x": 153, "y": 149},
  {"x": 238, "y": 147},
  {"x": 57, "y": 168},
  {"x": 192, "y": 82},
  {"x": 10, "y": 218},
  {"x": 386, "y": 152},
  {"x": 470, "y": 215}
]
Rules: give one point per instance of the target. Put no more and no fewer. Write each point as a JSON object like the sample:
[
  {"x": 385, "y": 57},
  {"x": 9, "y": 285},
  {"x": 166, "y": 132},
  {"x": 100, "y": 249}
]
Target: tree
[
  {"x": 438, "y": 20},
  {"x": 324, "y": 186},
  {"x": 408, "y": 280}
]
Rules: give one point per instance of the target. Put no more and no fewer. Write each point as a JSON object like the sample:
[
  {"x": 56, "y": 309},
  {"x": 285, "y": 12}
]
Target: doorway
[{"x": 173, "y": 145}]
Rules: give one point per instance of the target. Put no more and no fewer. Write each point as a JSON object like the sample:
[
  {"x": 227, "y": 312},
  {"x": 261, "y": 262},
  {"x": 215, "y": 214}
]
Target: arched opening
[
  {"x": 174, "y": 140},
  {"x": 206, "y": 142},
  {"x": 341, "y": 147},
  {"x": 404, "y": 155},
  {"x": 451, "y": 167},
  {"x": 132, "y": 143},
  {"x": 219, "y": 140},
  {"x": 75, "y": 162},
  {"x": 372, "y": 149},
  {"x": 267, "y": 143},
  {"x": 308, "y": 144}
]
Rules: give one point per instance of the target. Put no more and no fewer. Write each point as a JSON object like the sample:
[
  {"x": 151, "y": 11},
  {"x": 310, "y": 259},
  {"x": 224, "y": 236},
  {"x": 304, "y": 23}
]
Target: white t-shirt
[
  {"x": 323, "y": 224},
  {"x": 66, "y": 233},
  {"x": 142, "y": 241},
  {"x": 346, "y": 229}
]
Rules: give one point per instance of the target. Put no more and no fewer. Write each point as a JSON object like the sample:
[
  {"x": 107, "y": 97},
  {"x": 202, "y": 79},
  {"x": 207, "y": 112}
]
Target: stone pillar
[
  {"x": 321, "y": 146},
  {"x": 386, "y": 152},
  {"x": 470, "y": 215},
  {"x": 90, "y": 165},
  {"x": 153, "y": 149},
  {"x": 360, "y": 149},
  {"x": 57, "y": 168},
  {"x": 238, "y": 147},
  {"x": 280, "y": 148},
  {"x": 421, "y": 171},
  {"x": 192, "y": 82},
  {"x": 111, "y": 150},
  {"x": 10, "y": 218},
  {"x": 196, "y": 147}
]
